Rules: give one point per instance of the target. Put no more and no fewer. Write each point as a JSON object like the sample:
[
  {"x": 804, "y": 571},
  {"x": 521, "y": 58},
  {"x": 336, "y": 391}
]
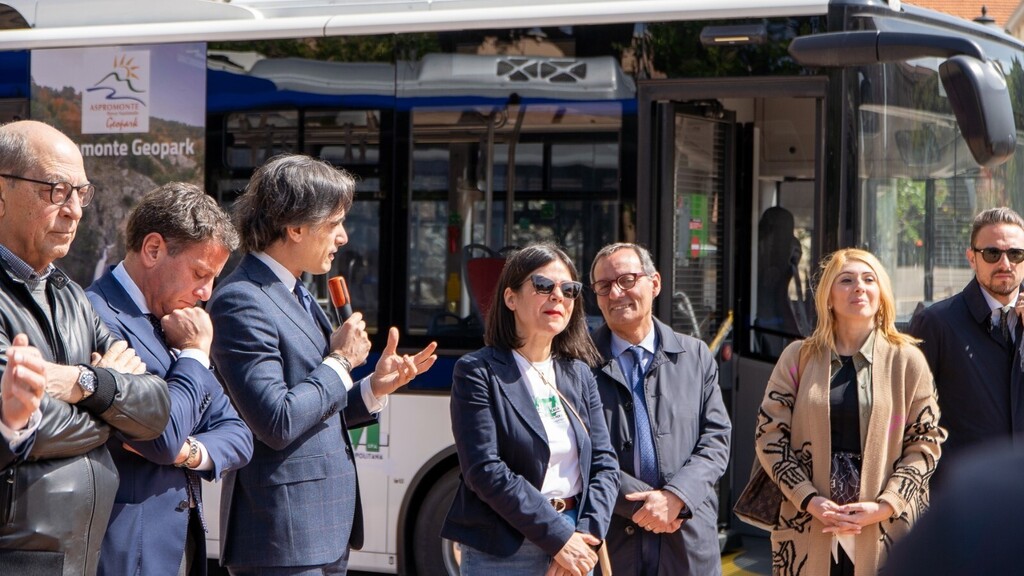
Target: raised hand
[
  {"x": 394, "y": 371},
  {"x": 188, "y": 328},
  {"x": 351, "y": 341}
]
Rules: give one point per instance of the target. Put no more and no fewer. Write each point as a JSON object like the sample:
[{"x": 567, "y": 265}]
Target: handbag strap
[{"x": 571, "y": 409}]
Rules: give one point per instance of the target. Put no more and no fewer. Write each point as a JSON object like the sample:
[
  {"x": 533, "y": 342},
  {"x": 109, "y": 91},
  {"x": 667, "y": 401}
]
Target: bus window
[
  {"x": 564, "y": 163},
  {"x": 920, "y": 187}
]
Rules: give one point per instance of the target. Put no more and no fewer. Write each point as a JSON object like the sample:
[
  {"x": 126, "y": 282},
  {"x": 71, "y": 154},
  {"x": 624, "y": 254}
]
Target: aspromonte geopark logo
[{"x": 119, "y": 100}]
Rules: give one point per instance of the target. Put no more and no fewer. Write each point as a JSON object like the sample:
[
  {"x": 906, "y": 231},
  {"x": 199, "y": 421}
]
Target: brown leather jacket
[{"x": 57, "y": 491}]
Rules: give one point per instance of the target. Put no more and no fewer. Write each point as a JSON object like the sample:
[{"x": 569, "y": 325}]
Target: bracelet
[
  {"x": 193, "y": 451},
  {"x": 344, "y": 361}
]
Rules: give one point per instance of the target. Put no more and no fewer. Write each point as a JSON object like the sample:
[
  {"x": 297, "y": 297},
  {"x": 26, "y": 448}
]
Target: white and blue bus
[{"x": 740, "y": 140}]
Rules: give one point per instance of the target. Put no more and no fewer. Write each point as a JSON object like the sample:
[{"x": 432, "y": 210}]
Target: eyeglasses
[
  {"x": 60, "y": 192},
  {"x": 624, "y": 282},
  {"x": 993, "y": 255},
  {"x": 545, "y": 285}
]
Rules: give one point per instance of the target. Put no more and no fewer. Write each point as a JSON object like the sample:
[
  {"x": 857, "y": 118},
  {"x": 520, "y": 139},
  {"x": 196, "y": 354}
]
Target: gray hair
[
  {"x": 17, "y": 155},
  {"x": 184, "y": 215},
  {"x": 290, "y": 190},
  {"x": 646, "y": 262}
]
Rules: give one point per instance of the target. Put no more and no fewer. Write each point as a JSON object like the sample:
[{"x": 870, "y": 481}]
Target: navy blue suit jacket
[
  {"x": 297, "y": 502},
  {"x": 146, "y": 534},
  {"x": 503, "y": 454},
  {"x": 977, "y": 376}
]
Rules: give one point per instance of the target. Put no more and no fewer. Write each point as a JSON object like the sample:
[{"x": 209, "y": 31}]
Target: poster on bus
[{"x": 138, "y": 114}]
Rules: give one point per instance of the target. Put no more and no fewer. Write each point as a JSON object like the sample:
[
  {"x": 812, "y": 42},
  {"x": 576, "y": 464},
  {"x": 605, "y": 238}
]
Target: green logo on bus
[{"x": 372, "y": 437}]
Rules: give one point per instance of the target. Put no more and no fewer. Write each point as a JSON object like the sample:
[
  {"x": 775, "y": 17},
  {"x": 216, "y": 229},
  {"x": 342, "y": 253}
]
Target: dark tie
[
  {"x": 648, "y": 471},
  {"x": 157, "y": 328},
  {"x": 306, "y": 299},
  {"x": 1004, "y": 324}
]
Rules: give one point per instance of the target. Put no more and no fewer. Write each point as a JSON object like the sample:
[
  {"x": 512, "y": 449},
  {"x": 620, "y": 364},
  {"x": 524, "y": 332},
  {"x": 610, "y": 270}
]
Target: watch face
[{"x": 87, "y": 380}]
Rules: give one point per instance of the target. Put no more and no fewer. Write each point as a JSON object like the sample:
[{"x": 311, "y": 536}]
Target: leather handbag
[{"x": 759, "y": 503}]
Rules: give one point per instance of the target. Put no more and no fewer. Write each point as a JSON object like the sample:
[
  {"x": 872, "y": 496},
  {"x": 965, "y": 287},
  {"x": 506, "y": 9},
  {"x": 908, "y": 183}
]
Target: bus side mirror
[{"x": 981, "y": 103}]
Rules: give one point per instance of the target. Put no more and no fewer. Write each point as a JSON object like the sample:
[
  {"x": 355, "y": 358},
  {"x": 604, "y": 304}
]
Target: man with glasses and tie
[
  {"x": 295, "y": 510},
  {"x": 972, "y": 340},
  {"x": 177, "y": 241},
  {"x": 57, "y": 492},
  {"x": 667, "y": 423}
]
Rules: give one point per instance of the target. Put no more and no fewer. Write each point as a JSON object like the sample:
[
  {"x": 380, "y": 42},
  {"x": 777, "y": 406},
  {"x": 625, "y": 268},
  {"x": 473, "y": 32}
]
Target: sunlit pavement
[{"x": 754, "y": 558}]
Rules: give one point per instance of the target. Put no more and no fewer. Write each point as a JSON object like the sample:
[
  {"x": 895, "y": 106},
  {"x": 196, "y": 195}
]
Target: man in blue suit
[
  {"x": 295, "y": 509},
  {"x": 178, "y": 240}
]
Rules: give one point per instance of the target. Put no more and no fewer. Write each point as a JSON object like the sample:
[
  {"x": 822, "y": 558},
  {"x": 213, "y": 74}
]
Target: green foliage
[{"x": 677, "y": 51}]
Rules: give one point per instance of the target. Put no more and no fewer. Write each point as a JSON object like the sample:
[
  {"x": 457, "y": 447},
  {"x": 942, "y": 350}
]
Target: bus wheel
[{"x": 436, "y": 556}]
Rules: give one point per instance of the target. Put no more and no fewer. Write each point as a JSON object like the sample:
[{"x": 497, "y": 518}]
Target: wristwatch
[{"x": 86, "y": 381}]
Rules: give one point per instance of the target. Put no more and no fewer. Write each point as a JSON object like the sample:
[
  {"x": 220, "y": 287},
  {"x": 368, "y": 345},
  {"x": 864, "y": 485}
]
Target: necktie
[
  {"x": 1004, "y": 324},
  {"x": 157, "y": 328},
  {"x": 648, "y": 471},
  {"x": 306, "y": 299}
]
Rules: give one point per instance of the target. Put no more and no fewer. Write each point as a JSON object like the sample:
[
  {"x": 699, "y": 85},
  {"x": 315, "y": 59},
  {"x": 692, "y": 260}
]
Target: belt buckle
[{"x": 558, "y": 504}]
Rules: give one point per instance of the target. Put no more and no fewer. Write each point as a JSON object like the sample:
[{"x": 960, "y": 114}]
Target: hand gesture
[
  {"x": 394, "y": 371},
  {"x": 577, "y": 557},
  {"x": 23, "y": 383},
  {"x": 351, "y": 341},
  {"x": 188, "y": 328},
  {"x": 860, "y": 514},
  {"x": 120, "y": 358},
  {"x": 827, "y": 512},
  {"x": 659, "y": 512}
]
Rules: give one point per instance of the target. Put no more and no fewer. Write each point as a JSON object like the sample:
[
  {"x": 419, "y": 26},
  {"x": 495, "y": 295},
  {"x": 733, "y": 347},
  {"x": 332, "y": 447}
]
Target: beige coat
[{"x": 900, "y": 451}]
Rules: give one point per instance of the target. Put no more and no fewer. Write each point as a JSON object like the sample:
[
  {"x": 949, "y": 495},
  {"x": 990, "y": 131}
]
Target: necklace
[{"x": 539, "y": 372}]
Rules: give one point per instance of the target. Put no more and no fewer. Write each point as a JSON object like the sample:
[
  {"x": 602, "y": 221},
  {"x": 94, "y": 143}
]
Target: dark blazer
[
  {"x": 977, "y": 377},
  {"x": 297, "y": 502},
  {"x": 146, "y": 534},
  {"x": 692, "y": 432},
  {"x": 503, "y": 454}
]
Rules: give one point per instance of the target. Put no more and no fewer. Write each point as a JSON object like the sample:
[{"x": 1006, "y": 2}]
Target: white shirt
[
  {"x": 373, "y": 404},
  {"x": 996, "y": 307},
  {"x": 563, "y": 478}
]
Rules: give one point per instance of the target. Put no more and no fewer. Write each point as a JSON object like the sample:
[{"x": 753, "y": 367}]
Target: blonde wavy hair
[{"x": 885, "y": 319}]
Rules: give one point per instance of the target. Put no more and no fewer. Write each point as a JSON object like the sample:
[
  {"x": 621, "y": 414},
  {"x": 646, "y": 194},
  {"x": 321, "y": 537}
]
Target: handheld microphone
[{"x": 340, "y": 298}]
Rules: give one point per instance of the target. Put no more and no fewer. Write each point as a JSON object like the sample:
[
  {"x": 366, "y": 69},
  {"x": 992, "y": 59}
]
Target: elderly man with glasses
[
  {"x": 667, "y": 423},
  {"x": 58, "y": 481},
  {"x": 972, "y": 341}
]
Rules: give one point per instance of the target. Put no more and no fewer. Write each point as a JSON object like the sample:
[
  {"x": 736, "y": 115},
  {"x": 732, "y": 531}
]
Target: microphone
[{"x": 340, "y": 298}]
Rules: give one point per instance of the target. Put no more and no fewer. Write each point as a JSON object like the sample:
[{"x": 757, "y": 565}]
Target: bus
[{"x": 740, "y": 142}]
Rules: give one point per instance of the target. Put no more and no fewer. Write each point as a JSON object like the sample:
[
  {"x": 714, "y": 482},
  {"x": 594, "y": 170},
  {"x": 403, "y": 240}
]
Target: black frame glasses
[
  {"x": 993, "y": 255},
  {"x": 623, "y": 281},
  {"x": 60, "y": 192},
  {"x": 571, "y": 290}
]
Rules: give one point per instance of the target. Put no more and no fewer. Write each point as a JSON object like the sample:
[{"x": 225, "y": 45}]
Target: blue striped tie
[{"x": 648, "y": 471}]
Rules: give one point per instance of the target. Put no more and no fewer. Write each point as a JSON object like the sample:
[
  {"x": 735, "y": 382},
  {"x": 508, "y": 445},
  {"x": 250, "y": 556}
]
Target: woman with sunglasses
[
  {"x": 848, "y": 428},
  {"x": 539, "y": 477}
]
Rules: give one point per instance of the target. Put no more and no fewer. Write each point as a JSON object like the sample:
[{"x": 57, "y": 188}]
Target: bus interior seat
[
  {"x": 481, "y": 267},
  {"x": 779, "y": 254}
]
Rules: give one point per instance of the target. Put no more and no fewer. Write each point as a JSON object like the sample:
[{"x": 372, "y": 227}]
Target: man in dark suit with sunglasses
[
  {"x": 972, "y": 340},
  {"x": 667, "y": 423}
]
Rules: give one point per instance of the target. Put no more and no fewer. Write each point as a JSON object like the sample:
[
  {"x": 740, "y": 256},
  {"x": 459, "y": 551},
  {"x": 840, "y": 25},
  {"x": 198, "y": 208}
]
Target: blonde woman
[{"x": 848, "y": 428}]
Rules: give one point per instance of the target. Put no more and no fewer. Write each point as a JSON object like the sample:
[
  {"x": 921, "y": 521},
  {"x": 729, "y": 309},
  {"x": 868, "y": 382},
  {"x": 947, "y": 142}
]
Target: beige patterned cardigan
[{"x": 899, "y": 454}]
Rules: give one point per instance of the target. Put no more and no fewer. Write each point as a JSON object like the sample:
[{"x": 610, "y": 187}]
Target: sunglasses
[
  {"x": 624, "y": 282},
  {"x": 545, "y": 285},
  {"x": 993, "y": 255}
]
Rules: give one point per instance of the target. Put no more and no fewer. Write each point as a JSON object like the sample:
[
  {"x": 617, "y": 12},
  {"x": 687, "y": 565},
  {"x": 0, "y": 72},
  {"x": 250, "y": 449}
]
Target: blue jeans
[{"x": 529, "y": 560}]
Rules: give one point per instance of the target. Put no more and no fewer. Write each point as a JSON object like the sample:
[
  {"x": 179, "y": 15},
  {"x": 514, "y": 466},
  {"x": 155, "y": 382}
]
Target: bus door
[{"x": 730, "y": 215}]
